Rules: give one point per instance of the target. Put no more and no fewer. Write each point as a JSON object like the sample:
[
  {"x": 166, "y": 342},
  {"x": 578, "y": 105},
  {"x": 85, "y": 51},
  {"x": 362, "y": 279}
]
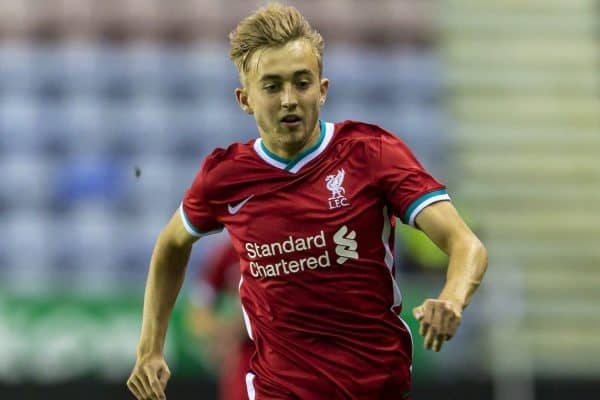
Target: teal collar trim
[{"x": 289, "y": 164}]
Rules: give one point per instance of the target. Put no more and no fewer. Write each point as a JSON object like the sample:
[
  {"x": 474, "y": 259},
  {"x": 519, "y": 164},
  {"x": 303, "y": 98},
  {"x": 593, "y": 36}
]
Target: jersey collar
[{"x": 293, "y": 166}]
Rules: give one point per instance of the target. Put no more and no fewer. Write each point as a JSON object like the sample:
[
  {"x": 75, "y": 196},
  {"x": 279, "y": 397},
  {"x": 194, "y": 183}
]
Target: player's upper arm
[
  {"x": 444, "y": 226},
  {"x": 175, "y": 232}
]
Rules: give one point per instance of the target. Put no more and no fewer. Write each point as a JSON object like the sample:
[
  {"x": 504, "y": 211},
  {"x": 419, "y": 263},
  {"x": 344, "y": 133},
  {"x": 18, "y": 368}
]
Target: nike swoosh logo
[{"x": 234, "y": 209}]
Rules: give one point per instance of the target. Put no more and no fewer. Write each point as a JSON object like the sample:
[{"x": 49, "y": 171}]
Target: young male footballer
[{"x": 310, "y": 207}]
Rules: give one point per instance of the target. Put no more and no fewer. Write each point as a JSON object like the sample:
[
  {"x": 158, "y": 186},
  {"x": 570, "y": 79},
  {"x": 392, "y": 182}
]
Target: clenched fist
[
  {"x": 439, "y": 321},
  {"x": 149, "y": 378}
]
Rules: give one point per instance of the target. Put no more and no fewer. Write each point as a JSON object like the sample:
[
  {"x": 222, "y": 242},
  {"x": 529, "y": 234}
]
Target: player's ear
[
  {"x": 242, "y": 98},
  {"x": 324, "y": 87}
]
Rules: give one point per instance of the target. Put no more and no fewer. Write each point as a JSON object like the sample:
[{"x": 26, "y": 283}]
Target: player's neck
[{"x": 291, "y": 152}]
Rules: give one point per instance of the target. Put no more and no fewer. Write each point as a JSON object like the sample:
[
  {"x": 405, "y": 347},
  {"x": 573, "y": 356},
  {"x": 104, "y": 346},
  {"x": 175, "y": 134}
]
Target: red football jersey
[{"x": 314, "y": 238}]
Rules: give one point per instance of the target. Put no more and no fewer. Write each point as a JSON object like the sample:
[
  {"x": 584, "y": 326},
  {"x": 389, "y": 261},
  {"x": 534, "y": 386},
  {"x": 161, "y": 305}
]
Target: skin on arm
[
  {"x": 439, "y": 318},
  {"x": 165, "y": 277}
]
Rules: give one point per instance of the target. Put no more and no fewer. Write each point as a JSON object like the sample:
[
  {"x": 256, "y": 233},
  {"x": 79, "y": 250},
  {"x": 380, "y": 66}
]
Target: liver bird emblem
[{"x": 334, "y": 184}]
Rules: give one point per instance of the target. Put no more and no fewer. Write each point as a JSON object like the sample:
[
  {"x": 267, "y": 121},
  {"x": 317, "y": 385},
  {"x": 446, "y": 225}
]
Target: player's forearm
[
  {"x": 165, "y": 277},
  {"x": 466, "y": 267}
]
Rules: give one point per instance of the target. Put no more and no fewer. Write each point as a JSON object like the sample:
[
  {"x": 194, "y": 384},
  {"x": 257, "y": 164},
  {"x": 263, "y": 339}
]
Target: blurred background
[{"x": 499, "y": 99}]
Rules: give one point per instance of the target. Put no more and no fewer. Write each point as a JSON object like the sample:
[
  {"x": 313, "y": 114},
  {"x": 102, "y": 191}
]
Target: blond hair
[{"x": 271, "y": 26}]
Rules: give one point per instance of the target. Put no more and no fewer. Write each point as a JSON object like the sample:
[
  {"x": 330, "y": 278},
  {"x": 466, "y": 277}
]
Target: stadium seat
[
  {"x": 155, "y": 189},
  {"x": 25, "y": 239},
  {"x": 50, "y": 83},
  {"x": 180, "y": 80},
  {"x": 197, "y": 129},
  {"x": 19, "y": 124},
  {"x": 88, "y": 180},
  {"x": 82, "y": 67},
  {"x": 143, "y": 59},
  {"x": 347, "y": 68},
  {"x": 184, "y": 172},
  {"x": 216, "y": 71},
  {"x": 133, "y": 242},
  {"x": 88, "y": 261},
  {"x": 139, "y": 127},
  {"x": 27, "y": 181},
  {"x": 419, "y": 75},
  {"x": 16, "y": 67},
  {"x": 113, "y": 75},
  {"x": 83, "y": 133},
  {"x": 53, "y": 129}
]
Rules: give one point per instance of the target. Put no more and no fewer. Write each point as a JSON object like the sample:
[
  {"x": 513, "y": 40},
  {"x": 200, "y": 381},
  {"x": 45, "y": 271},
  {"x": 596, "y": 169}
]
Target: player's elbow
[
  {"x": 469, "y": 247},
  {"x": 480, "y": 254}
]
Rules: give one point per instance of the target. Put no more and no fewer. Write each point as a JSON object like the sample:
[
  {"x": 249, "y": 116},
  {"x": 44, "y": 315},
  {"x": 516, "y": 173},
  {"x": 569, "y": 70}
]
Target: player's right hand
[
  {"x": 149, "y": 377},
  {"x": 439, "y": 319}
]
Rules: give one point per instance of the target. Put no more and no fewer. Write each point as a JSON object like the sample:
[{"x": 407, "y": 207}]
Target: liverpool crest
[{"x": 334, "y": 184}]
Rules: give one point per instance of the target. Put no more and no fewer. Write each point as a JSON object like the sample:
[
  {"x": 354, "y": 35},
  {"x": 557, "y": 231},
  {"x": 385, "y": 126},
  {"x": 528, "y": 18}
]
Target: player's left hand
[{"x": 439, "y": 321}]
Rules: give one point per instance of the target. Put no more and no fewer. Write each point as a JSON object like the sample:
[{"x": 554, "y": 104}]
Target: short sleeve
[
  {"x": 195, "y": 209},
  {"x": 406, "y": 185}
]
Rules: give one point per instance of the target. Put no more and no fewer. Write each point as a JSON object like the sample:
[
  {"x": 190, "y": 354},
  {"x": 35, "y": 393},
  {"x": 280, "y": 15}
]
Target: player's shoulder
[
  {"x": 359, "y": 130},
  {"x": 220, "y": 158},
  {"x": 365, "y": 133},
  {"x": 224, "y": 165}
]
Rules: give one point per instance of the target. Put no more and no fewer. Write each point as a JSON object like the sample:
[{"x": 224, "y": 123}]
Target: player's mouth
[{"x": 291, "y": 121}]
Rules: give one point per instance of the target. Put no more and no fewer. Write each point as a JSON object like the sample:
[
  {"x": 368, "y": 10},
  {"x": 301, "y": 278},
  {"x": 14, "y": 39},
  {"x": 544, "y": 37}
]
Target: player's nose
[{"x": 288, "y": 97}]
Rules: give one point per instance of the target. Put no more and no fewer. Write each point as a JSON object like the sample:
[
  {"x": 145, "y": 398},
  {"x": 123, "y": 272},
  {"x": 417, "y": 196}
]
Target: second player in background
[{"x": 228, "y": 347}]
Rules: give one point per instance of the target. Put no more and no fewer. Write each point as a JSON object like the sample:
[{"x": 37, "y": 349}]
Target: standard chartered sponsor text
[{"x": 291, "y": 245}]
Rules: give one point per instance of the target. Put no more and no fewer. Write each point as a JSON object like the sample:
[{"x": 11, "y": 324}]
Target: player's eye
[
  {"x": 270, "y": 88},
  {"x": 303, "y": 84}
]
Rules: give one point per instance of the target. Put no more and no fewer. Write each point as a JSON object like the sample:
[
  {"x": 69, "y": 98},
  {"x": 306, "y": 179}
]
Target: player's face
[{"x": 284, "y": 91}]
